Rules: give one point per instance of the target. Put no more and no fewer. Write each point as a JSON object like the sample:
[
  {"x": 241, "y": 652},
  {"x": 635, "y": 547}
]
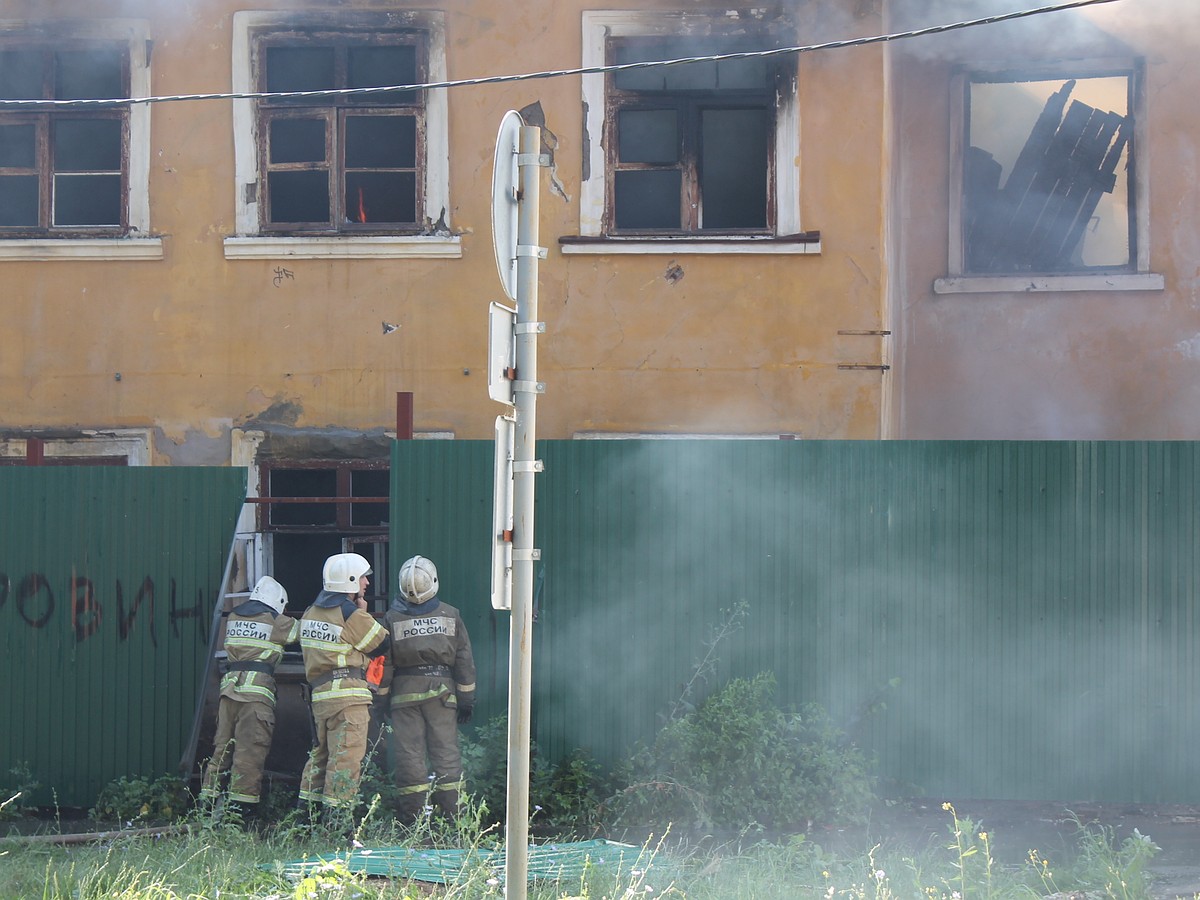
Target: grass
[{"x": 221, "y": 861}]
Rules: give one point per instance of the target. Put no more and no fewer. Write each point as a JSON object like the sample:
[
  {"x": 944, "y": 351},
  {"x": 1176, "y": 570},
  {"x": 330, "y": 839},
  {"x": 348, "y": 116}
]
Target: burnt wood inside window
[
  {"x": 1047, "y": 175},
  {"x": 691, "y": 144},
  {"x": 63, "y": 169},
  {"x": 342, "y": 163}
]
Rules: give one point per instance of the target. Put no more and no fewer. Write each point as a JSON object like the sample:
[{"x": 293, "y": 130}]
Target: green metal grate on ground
[{"x": 554, "y": 862}]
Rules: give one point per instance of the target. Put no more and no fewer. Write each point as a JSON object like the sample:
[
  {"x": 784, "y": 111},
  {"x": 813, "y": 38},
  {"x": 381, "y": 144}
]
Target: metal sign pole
[{"x": 525, "y": 465}]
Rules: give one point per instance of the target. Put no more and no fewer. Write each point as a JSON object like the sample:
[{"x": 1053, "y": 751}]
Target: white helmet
[
  {"x": 418, "y": 580},
  {"x": 270, "y": 592},
  {"x": 343, "y": 571}
]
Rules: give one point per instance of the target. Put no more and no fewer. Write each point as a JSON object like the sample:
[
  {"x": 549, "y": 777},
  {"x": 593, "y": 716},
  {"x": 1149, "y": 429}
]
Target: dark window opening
[
  {"x": 63, "y": 170},
  {"x": 319, "y": 495},
  {"x": 370, "y": 483},
  {"x": 298, "y": 141},
  {"x": 296, "y": 483},
  {"x": 300, "y": 69},
  {"x": 693, "y": 143},
  {"x": 734, "y": 177},
  {"x": 370, "y": 67},
  {"x": 1047, "y": 183},
  {"x": 311, "y": 510},
  {"x": 96, "y": 74},
  {"x": 343, "y": 163},
  {"x": 299, "y": 197}
]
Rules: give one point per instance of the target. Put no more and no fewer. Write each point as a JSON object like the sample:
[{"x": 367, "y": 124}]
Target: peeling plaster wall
[
  {"x": 1080, "y": 365},
  {"x": 195, "y": 344}
]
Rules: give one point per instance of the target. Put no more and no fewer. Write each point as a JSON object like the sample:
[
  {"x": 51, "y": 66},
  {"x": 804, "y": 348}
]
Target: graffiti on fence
[{"x": 33, "y": 601}]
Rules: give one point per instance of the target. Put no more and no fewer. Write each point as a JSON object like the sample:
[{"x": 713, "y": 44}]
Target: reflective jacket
[
  {"x": 255, "y": 634},
  {"x": 429, "y": 636},
  {"x": 337, "y": 637}
]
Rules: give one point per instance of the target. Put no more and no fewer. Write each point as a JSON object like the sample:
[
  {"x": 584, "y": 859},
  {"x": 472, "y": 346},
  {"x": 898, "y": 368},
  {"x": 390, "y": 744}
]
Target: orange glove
[{"x": 375, "y": 671}]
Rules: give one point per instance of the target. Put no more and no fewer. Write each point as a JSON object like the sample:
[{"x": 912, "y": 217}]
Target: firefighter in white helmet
[
  {"x": 255, "y": 636},
  {"x": 338, "y": 638},
  {"x": 432, "y": 691}
]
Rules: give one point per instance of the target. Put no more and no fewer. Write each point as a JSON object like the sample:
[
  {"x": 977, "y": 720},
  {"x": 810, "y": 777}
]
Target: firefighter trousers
[
  {"x": 334, "y": 766},
  {"x": 243, "y": 739},
  {"x": 426, "y": 763}
]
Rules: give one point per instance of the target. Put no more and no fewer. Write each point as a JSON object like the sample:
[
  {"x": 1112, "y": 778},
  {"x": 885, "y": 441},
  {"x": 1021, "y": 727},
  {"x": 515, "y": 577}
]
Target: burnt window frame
[
  {"x": 335, "y": 109},
  {"x": 45, "y": 118},
  {"x": 689, "y": 105},
  {"x": 1137, "y": 276},
  {"x": 343, "y": 471}
]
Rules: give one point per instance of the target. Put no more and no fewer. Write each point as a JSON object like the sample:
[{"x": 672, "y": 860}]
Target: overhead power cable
[{"x": 560, "y": 73}]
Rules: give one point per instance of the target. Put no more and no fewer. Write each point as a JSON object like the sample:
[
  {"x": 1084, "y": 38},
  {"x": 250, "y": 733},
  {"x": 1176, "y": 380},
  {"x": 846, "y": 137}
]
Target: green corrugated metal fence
[
  {"x": 108, "y": 581},
  {"x": 1035, "y": 600}
]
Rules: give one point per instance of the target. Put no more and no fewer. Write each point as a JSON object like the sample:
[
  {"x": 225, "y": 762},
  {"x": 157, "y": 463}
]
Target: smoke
[
  {"x": 1095, "y": 31},
  {"x": 1037, "y": 653}
]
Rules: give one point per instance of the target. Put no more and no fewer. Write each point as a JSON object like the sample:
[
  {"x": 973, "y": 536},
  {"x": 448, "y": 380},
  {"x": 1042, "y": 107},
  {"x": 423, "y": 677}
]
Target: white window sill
[
  {"x": 1031, "y": 284},
  {"x": 81, "y": 248},
  {"x": 809, "y": 243},
  {"x": 416, "y": 246}
]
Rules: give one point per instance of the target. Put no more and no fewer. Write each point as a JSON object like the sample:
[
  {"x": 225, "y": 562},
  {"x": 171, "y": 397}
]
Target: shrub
[
  {"x": 570, "y": 793},
  {"x": 16, "y": 792},
  {"x": 738, "y": 760},
  {"x": 485, "y": 765},
  {"x": 566, "y": 795},
  {"x": 141, "y": 799}
]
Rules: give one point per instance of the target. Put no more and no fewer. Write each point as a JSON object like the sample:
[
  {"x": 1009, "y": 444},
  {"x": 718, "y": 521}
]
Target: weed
[
  {"x": 737, "y": 760},
  {"x": 142, "y": 800},
  {"x": 704, "y": 669},
  {"x": 16, "y": 800},
  {"x": 972, "y": 856},
  {"x": 1107, "y": 868},
  {"x": 484, "y": 751},
  {"x": 223, "y": 862}
]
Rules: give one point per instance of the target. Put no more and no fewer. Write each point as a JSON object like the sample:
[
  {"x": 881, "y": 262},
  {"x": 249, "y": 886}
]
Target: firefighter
[
  {"x": 338, "y": 638},
  {"x": 255, "y": 636},
  {"x": 432, "y": 691}
]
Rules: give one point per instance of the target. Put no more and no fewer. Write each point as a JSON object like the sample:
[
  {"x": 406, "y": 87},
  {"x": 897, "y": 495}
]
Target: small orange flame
[{"x": 362, "y": 207}]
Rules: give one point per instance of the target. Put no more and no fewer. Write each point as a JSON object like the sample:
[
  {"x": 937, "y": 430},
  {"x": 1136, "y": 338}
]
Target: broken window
[
  {"x": 63, "y": 169},
  {"x": 1048, "y": 175},
  {"x": 691, "y": 145},
  {"x": 341, "y": 163},
  {"x": 317, "y": 508}
]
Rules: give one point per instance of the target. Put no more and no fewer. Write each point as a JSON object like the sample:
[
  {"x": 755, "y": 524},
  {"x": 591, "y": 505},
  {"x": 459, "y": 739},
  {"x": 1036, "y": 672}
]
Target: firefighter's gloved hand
[{"x": 465, "y": 713}]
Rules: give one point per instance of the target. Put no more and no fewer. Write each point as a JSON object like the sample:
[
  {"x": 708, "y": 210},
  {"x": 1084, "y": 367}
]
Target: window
[
  {"x": 1047, "y": 182},
  {"x": 62, "y": 170},
  {"x": 75, "y": 172},
  {"x": 342, "y": 163},
  {"x": 316, "y": 172},
  {"x": 117, "y": 447},
  {"x": 692, "y": 148},
  {"x": 695, "y": 157},
  {"x": 321, "y": 507}
]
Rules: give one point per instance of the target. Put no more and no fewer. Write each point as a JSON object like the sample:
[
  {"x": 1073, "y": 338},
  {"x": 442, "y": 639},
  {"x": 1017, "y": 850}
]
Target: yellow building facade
[{"x": 268, "y": 261}]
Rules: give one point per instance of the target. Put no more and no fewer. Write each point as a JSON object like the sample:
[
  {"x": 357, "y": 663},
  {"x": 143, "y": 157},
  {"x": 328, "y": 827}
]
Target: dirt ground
[{"x": 1016, "y": 827}]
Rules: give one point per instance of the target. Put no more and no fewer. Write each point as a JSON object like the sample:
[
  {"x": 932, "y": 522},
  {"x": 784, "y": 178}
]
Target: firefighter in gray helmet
[
  {"x": 255, "y": 635},
  {"x": 432, "y": 691},
  {"x": 338, "y": 638}
]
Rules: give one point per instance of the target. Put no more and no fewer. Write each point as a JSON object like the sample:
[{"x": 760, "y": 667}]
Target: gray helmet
[
  {"x": 270, "y": 592},
  {"x": 418, "y": 580},
  {"x": 343, "y": 571}
]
